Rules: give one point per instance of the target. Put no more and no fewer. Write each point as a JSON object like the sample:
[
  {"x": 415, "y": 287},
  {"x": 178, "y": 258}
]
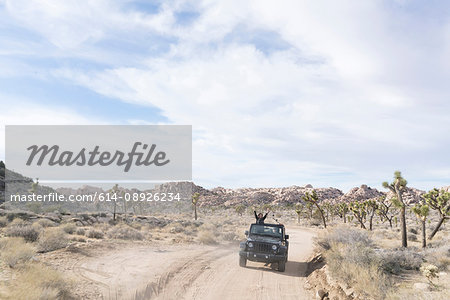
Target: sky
[{"x": 279, "y": 93}]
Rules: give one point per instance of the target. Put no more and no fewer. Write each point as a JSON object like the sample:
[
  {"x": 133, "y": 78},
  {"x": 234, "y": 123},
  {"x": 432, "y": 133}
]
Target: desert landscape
[{"x": 342, "y": 245}]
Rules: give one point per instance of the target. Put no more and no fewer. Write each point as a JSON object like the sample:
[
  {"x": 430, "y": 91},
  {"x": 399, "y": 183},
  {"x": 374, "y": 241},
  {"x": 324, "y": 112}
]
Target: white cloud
[
  {"x": 349, "y": 94},
  {"x": 20, "y": 112}
]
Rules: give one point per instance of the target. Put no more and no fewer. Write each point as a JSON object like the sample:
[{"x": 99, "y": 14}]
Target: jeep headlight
[
  {"x": 250, "y": 245},
  {"x": 274, "y": 247}
]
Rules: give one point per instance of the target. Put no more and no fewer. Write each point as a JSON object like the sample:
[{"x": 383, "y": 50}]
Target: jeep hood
[{"x": 266, "y": 239}]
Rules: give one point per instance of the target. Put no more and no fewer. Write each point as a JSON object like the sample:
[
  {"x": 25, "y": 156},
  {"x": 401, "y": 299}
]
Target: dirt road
[{"x": 196, "y": 272}]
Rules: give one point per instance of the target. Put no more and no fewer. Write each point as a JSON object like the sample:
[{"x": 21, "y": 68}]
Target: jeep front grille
[{"x": 262, "y": 248}]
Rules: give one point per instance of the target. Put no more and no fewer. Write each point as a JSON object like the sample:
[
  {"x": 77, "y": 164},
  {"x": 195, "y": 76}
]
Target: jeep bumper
[{"x": 262, "y": 257}]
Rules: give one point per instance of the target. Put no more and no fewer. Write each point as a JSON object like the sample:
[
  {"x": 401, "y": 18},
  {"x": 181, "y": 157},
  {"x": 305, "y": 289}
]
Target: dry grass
[
  {"x": 38, "y": 282},
  {"x": 19, "y": 228},
  {"x": 350, "y": 257},
  {"x": 397, "y": 260},
  {"x": 3, "y": 222},
  {"x": 124, "y": 232},
  {"x": 69, "y": 228},
  {"x": 52, "y": 239},
  {"x": 95, "y": 234},
  {"x": 46, "y": 223},
  {"x": 206, "y": 237},
  {"x": 81, "y": 231},
  {"x": 15, "y": 251},
  {"x": 438, "y": 253}
]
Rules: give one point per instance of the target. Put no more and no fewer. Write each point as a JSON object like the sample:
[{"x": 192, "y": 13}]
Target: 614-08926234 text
[{"x": 101, "y": 197}]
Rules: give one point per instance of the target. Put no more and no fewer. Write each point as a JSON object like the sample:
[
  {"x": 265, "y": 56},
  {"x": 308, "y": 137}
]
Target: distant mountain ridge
[{"x": 226, "y": 197}]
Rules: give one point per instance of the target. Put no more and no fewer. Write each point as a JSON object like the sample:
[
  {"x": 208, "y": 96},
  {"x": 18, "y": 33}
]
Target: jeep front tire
[
  {"x": 281, "y": 265},
  {"x": 242, "y": 261}
]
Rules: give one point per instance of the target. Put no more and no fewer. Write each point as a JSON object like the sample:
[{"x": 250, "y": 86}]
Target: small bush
[
  {"x": 175, "y": 228},
  {"x": 69, "y": 228},
  {"x": 206, "y": 237},
  {"x": 396, "y": 260},
  {"x": 412, "y": 237},
  {"x": 3, "y": 222},
  {"x": 19, "y": 228},
  {"x": 78, "y": 239},
  {"x": 125, "y": 232},
  {"x": 230, "y": 236},
  {"x": 95, "y": 234},
  {"x": 351, "y": 259},
  {"x": 46, "y": 223},
  {"x": 15, "y": 250},
  {"x": 438, "y": 253},
  {"x": 413, "y": 230},
  {"x": 344, "y": 235},
  {"x": 81, "y": 231},
  {"x": 52, "y": 239},
  {"x": 37, "y": 281}
]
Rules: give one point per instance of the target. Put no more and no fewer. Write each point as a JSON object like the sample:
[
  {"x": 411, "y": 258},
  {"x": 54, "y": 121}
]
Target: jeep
[{"x": 265, "y": 243}]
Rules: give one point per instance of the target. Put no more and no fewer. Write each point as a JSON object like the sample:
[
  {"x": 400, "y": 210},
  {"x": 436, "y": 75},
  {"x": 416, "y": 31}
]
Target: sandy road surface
[{"x": 197, "y": 272}]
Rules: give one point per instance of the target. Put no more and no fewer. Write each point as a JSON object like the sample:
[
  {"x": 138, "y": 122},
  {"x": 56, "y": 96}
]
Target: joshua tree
[
  {"x": 386, "y": 210},
  {"x": 421, "y": 210},
  {"x": 438, "y": 200},
  {"x": 359, "y": 211},
  {"x": 371, "y": 208},
  {"x": 309, "y": 207},
  {"x": 342, "y": 210},
  {"x": 314, "y": 199},
  {"x": 113, "y": 192},
  {"x": 298, "y": 210},
  {"x": 195, "y": 198},
  {"x": 398, "y": 187}
]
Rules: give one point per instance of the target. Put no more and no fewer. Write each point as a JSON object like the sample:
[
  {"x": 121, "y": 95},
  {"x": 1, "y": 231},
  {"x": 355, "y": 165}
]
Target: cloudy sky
[{"x": 279, "y": 93}]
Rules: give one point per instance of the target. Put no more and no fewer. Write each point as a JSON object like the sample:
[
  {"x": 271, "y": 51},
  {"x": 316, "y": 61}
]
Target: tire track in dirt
[{"x": 196, "y": 272}]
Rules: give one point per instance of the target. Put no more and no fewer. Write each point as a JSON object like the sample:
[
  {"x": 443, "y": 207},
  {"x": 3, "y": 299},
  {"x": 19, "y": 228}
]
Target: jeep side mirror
[
  {"x": 246, "y": 232},
  {"x": 286, "y": 236}
]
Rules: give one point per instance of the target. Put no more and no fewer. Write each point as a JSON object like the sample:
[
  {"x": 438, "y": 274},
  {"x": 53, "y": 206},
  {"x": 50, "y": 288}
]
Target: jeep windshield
[{"x": 266, "y": 230}]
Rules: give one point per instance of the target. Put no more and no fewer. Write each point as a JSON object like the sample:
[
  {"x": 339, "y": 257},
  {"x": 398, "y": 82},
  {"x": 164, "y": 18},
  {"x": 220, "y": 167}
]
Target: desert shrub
[
  {"x": 344, "y": 235},
  {"x": 78, "y": 239},
  {"x": 206, "y": 237},
  {"x": 430, "y": 272},
  {"x": 413, "y": 230},
  {"x": 351, "y": 258},
  {"x": 95, "y": 234},
  {"x": 396, "y": 260},
  {"x": 69, "y": 228},
  {"x": 438, "y": 253},
  {"x": 412, "y": 237},
  {"x": 52, "y": 239},
  {"x": 37, "y": 281},
  {"x": 46, "y": 223},
  {"x": 19, "y": 228},
  {"x": 102, "y": 227},
  {"x": 124, "y": 232},
  {"x": 229, "y": 236},
  {"x": 176, "y": 228},
  {"x": 15, "y": 251},
  {"x": 3, "y": 222},
  {"x": 136, "y": 225},
  {"x": 81, "y": 231}
]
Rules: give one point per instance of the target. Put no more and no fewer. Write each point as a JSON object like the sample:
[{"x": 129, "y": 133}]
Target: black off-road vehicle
[{"x": 265, "y": 243}]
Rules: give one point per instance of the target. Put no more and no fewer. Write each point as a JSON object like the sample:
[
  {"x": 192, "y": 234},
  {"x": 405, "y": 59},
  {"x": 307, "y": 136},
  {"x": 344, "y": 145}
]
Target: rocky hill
[{"x": 224, "y": 197}]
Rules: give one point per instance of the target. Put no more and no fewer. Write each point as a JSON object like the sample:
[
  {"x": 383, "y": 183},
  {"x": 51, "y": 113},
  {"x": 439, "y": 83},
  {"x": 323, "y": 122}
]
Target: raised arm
[{"x": 256, "y": 216}]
